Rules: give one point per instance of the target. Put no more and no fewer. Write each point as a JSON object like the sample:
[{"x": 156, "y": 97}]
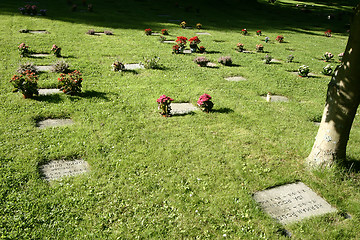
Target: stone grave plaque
[
  {"x": 276, "y": 98},
  {"x": 292, "y": 202},
  {"x": 182, "y": 108},
  {"x": 203, "y": 33},
  {"x": 60, "y": 168},
  {"x": 54, "y": 123},
  {"x": 49, "y": 91},
  {"x": 39, "y": 55},
  {"x": 133, "y": 66},
  {"x": 235, "y": 79},
  {"x": 45, "y": 68}
]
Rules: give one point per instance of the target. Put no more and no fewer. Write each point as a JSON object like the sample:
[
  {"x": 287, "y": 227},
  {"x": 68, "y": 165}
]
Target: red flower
[{"x": 194, "y": 40}]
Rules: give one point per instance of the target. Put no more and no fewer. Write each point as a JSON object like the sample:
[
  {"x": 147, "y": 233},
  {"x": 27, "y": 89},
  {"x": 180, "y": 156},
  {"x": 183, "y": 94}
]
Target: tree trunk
[{"x": 342, "y": 101}]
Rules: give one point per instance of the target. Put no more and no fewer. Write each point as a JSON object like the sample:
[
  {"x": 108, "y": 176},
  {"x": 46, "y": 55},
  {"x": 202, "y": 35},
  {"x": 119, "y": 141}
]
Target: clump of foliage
[
  {"x": 205, "y": 103},
  {"x": 91, "y": 32},
  {"x": 202, "y": 49},
  {"x": 183, "y": 24},
  {"x": 328, "y": 33},
  {"x": 290, "y": 58},
  {"x": 244, "y": 31},
  {"x": 240, "y": 47},
  {"x": 199, "y": 26},
  {"x": 152, "y": 63},
  {"x": 70, "y": 83},
  {"x": 108, "y": 32},
  {"x": 60, "y": 67},
  {"x": 258, "y": 32},
  {"x": 148, "y": 31},
  {"x": 279, "y": 38},
  {"x": 328, "y": 56},
  {"x": 26, "y": 83},
  {"x": 267, "y": 59},
  {"x": 164, "y": 105},
  {"x": 227, "y": 61},
  {"x": 201, "y": 61},
  {"x": 259, "y": 48},
  {"x": 24, "y": 67},
  {"x": 164, "y": 32}
]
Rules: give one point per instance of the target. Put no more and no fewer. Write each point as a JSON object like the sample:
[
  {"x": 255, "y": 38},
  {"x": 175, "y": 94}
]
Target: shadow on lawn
[
  {"x": 351, "y": 165},
  {"x": 93, "y": 94}
]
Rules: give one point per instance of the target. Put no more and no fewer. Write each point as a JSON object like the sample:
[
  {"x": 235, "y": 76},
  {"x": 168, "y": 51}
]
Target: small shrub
[
  {"x": 240, "y": 47},
  {"x": 181, "y": 41},
  {"x": 26, "y": 83},
  {"x": 70, "y": 83},
  {"x": 164, "y": 32},
  {"x": 201, "y": 61},
  {"x": 227, "y": 61},
  {"x": 60, "y": 67},
  {"x": 91, "y": 32},
  {"x": 327, "y": 70},
  {"x": 201, "y": 49},
  {"x": 303, "y": 71},
  {"x": 205, "y": 103},
  {"x": 118, "y": 66},
  {"x": 108, "y": 32},
  {"x": 23, "y": 68},
  {"x": 290, "y": 58},
  {"x": 151, "y": 63},
  {"x": 267, "y": 59},
  {"x": 24, "y": 50}
]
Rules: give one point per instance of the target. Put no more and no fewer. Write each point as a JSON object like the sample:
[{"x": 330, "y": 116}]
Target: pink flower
[{"x": 164, "y": 99}]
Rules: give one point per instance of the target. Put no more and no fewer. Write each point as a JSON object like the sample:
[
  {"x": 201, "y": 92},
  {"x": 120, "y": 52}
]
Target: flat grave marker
[
  {"x": 133, "y": 66},
  {"x": 182, "y": 108},
  {"x": 292, "y": 202},
  {"x": 45, "y": 68},
  {"x": 235, "y": 79},
  {"x": 61, "y": 168},
  {"x": 39, "y": 55},
  {"x": 169, "y": 41},
  {"x": 276, "y": 98},
  {"x": 203, "y": 33},
  {"x": 39, "y": 31},
  {"x": 50, "y": 91},
  {"x": 54, "y": 123}
]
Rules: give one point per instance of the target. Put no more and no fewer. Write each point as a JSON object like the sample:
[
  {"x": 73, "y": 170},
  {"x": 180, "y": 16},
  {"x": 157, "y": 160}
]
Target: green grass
[{"x": 170, "y": 178}]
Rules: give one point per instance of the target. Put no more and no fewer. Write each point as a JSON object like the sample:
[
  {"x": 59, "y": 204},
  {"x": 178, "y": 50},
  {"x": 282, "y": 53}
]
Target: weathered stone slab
[
  {"x": 187, "y": 51},
  {"x": 276, "y": 98},
  {"x": 133, "y": 66},
  {"x": 182, "y": 108},
  {"x": 169, "y": 41},
  {"x": 43, "y": 68},
  {"x": 39, "y": 55},
  {"x": 49, "y": 91},
  {"x": 39, "y": 31},
  {"x": 235, "y": 79},
  {"x": 54, "y": 123},
  {"x": 210, "y": 64},
  {"x": 292, "y": 202},
  {"x": 202, "y": 33},
  {"x": 60, "y": 168}
]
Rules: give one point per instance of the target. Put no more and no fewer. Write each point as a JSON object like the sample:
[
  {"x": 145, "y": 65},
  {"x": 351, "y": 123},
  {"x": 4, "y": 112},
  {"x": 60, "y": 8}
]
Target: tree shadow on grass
[
  {"x": 52, "y": 98},
  {"x": 351, "y": 165}
]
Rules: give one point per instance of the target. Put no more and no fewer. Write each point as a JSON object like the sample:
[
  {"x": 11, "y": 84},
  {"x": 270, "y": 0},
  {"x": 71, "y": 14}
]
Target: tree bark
[{"x": 342, "y": 101}]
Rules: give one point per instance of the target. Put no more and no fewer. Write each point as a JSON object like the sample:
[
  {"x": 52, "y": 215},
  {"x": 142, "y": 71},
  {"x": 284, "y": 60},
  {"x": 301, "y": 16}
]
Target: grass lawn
[{"x": 182, "y": 177}]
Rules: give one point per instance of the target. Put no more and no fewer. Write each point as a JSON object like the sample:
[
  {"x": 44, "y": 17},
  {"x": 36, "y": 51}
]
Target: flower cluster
[
  {"x": 328, "y": 56},
  {"x": 279, "y": 38},
  {"x": 327, "y": 33},
  {"x": 176, "y": 49},
  {"x": 181, "y": 41},
  {"x": 194, "y": 40},
  {"x": 118, "y": 66},
  {"x": 164, "y": 105},
  {"x": 227, "y": 61},
  {"x": 327, "y": 70},
  {"x": 201, "y": 49},
  {"x": 23, "y": 49},
  {"x": 199, "y": 26},
  {"x": 148, "y": 31},
  {"x": 290, "y": 58},
  {"x": 340, "y": 56},
  {"x": 303, "y": 71},
  {"x": 70, "y": 83},
  {"x": 164, "y": 32},
  {"x": 267, "y": 39},
  {"x": 25, "y": 83},
  {"x": 56, "y": 50},
  {"x": 244, "y": 31},
  {"x": 31, "y": 9},
  {"x": 267, "y": 59},
  {"x": 205, "y": 103},
  {"x": 258, "y": 32},
  {"x": 259, "y": 47},
  {"x": 240, "y": 47},
  {"x": 183, "y": 24}
]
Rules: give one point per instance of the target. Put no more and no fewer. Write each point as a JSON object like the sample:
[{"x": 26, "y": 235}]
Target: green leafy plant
[
  {"x": 205, "y": 103},
  {"x": 26, "y": 67},
  {"x": 56, "y": 51},
  {"x": 60, "y": 67},
  {"x": 118, "y": 66},
  {"x": 327, "y": 70},
  {"x": 201, "y": 61},
  {"x": 164, "y": 105},
  {"x": 303, "y": 71},
  {"x": 26, "y": 83},
  {"x": 151, "y": 63},
  {"x": 267, "y": 59},
  {"x": 227, "y": 61},
  {"x": 70, "y": 83}
]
